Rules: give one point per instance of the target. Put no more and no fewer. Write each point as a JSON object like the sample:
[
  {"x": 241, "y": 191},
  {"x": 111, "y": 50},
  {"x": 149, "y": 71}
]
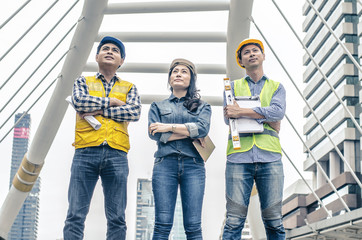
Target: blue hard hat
[{"x": 115, "y": 41}]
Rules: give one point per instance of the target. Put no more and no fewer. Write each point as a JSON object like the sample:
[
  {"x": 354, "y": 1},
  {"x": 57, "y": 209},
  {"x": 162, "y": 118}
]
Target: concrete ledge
[
  {"x": 343, "y": 179},
  {"x": 345, "y": 221}
]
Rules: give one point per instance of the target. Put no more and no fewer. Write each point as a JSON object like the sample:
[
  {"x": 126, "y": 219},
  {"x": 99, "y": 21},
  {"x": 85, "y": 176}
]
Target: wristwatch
[{"x": 173, "y": 128}]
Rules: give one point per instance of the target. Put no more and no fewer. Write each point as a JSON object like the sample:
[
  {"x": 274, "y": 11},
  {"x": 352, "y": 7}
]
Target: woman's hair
[{"x": 192, "y": 97}]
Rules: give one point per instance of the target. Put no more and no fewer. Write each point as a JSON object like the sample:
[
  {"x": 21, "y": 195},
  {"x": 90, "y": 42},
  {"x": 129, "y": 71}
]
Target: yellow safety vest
[
  {"x": 115, "y": 133},
  {"x": 268, "y": 139}
]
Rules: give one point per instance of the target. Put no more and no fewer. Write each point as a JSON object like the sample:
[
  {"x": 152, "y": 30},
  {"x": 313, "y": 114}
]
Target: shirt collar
[
  {"x": 173, "y": 98},
  {"x": 264, "y": 77},
  {"x": 100, "y": 76}
]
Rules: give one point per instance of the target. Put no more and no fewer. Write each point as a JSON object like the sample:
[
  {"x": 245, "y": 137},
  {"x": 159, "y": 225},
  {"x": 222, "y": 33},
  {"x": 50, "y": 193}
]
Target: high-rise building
[
  {"x": 145, "y": 213},
  {"x": 343, "y": 17},
  {"x": 178, "y": 231},
  {"x": 25, "y": 226}
]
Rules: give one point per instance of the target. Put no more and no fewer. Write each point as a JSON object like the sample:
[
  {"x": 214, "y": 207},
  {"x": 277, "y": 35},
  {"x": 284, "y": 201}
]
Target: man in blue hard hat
[
  {"x": 102, "y": 153},
  {"x": 259, "y": 157}
]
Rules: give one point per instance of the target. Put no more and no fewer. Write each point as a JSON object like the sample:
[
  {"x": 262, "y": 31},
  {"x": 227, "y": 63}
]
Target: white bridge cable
[
  {"x": 37, "y": 46},
  {"x": 335, "y": 36},
  {"x": 32, "y": 91},
  {"x": 339, "y": 99},
  {"x": 28, "y": 30},
  {"x": 308, "y": 149},
  {"x": 305, "y": 181},
  {"x": 321, "y": 72},
  {"x": 36, "y": 69},
  {"x": 35, "y": 102},
  {"x": 14, "y": 14}
]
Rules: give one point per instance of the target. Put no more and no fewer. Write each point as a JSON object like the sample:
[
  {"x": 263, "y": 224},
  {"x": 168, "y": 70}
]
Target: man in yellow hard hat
[{"x": 259, "y": 158}]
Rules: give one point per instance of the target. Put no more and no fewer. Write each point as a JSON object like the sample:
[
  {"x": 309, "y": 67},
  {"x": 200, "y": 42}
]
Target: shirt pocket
[
  {"x": 166, "y": 115},
  {"x": 193, "y": 116}
]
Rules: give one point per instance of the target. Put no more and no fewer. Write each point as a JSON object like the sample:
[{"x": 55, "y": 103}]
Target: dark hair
[
  {"x": 247, "y": 44},
  {"x": 192, "y": 96}
]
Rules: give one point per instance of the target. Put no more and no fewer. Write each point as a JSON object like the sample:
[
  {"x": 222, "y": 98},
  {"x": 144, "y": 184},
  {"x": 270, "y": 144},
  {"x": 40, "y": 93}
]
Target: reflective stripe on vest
[
  {"x": 115, "y": 133},
  {"x": 268, "y": 139}
]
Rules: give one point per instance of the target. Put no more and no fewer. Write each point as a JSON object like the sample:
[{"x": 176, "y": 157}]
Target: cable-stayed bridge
[{"x": 329, "y": 209}]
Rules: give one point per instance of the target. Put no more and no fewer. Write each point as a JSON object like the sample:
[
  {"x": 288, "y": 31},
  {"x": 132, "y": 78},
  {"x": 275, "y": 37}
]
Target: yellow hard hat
[{"x": 244, "y": 42}]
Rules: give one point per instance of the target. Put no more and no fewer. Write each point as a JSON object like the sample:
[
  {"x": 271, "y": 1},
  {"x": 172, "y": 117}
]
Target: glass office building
[
  {"x": 145, "y": 212},
  {"x": 25, "y": 226}
]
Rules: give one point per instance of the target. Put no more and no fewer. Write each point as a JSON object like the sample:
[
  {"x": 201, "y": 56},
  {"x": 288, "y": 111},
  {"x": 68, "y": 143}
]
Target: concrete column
[
  {"x": 349, "y": 155},
  {"x": 334, "y": 165},
  {"x": 321, "y": 180},
  {"x": 314, "y": 179}
]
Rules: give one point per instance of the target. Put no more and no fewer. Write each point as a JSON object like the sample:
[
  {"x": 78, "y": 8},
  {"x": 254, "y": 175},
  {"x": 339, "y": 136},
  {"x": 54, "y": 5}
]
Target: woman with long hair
[{"x": 174, "y": 124}]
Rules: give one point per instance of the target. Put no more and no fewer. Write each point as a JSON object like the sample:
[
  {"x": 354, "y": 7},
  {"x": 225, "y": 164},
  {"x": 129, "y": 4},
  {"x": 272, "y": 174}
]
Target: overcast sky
[{"x": 55, "y": 173}]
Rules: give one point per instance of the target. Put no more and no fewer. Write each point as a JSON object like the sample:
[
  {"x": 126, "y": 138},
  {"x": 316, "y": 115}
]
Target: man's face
[
  {"x": 251, "y": 57},
  {"x": 109, "y": 55}
]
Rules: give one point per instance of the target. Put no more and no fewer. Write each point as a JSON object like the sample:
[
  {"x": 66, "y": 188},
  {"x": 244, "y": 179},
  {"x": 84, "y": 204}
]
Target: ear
[
  {"x": 97, "y": 57},
  {"x": 241, "y": 62},
  {"x": 121, "y": 61}
]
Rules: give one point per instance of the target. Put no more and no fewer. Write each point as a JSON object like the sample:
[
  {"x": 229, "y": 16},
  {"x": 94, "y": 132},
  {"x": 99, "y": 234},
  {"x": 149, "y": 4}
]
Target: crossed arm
[
  {"x": 113, "y": 108},
  {"x": 166, "y": 132}
]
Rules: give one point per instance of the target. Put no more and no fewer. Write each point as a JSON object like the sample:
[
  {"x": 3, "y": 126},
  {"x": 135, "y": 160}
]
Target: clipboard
[
  {"x": 206, "y": 151},
  {"x": 248, "y": 125}
]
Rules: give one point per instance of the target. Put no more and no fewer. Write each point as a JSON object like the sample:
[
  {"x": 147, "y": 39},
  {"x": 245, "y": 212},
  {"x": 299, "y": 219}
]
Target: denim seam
[{"x": 236, "y": 208}]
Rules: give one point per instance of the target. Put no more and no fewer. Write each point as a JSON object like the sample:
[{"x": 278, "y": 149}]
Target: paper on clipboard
[
  {"x": 248, "y": 125},
  {"x": 206, "y": 151}
]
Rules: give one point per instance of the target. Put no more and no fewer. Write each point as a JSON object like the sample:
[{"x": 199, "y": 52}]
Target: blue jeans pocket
[
  {"x": 121, "y": 153},
  {"x": 158, "y": 160},
  {"x": 199, "y": 161}
]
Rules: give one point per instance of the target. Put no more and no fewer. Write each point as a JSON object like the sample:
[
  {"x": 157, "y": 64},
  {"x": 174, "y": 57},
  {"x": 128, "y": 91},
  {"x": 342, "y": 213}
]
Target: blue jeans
[
  {"x": 269, "y": 180},
  {"x": 90, "y": 163},
  {"x": 168, "y": 173}
]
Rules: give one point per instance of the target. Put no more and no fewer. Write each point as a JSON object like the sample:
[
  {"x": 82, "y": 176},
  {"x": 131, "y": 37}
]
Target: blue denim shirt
[
  {"x": 274, "y": 112},
  {"x": 171, "y": 110}
]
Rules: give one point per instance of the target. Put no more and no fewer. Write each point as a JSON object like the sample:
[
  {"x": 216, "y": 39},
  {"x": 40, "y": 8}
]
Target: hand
[
  {"x": 84, "y": 114},
  {"x": 232, "y": 111},
  {"x": 275, "y": 125},
  {"x": 201, "y": 141},
  {"x": 159, "y": 127},
  {"x": 116, "y": 102}
]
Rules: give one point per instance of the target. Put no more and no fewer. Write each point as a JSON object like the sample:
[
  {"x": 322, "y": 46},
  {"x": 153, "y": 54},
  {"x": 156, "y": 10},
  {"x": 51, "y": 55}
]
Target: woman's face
[{"x": 180, "y": 78}]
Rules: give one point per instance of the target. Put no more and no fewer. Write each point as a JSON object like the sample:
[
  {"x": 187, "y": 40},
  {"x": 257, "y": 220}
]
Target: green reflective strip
[
  {"x": 269, "y": 132},
  {"x": 265, "y": 132}
]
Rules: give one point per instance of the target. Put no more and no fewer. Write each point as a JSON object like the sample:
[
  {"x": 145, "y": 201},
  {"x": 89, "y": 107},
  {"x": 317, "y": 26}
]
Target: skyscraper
[
  {"x": 25, "y": 226},
  {"x": 337, "y": 156},
  {"x": 178, "y": 232},
  {"x": 145, "y": 212}
]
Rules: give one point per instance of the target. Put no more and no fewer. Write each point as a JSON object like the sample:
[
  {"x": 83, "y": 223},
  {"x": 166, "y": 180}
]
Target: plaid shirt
[{"x": 83, "y": 102}]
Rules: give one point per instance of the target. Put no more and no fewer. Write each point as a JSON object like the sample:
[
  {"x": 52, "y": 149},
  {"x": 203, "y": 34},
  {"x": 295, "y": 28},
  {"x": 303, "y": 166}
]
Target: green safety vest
[{"x": 268, "y": 139}]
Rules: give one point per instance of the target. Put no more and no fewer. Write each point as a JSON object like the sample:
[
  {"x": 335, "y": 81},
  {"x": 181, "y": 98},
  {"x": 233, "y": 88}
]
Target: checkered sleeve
[
  {"x": 83, "y": 102},
  {"x": 129, "y": 112}
]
